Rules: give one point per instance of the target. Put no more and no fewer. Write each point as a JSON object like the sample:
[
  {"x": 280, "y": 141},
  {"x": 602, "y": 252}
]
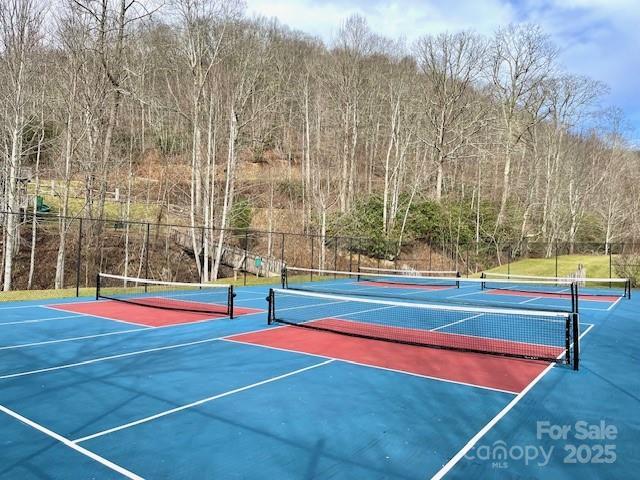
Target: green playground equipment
[{"x": 42, "y": 207}]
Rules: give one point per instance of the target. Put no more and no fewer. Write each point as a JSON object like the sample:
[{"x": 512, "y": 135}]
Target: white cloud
[
  {"x": 600, "y": 39},
  {"x": 597, "y": 38},
  {"x": 394, "y": 19}
]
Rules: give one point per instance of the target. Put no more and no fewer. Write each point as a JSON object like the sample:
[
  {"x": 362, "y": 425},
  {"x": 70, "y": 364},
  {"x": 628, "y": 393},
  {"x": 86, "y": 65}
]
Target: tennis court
[{"x": 333, "y": 377}]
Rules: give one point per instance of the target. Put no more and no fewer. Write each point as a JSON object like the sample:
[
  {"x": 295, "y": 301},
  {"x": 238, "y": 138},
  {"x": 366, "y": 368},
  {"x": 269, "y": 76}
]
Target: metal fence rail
[{"x": 174, "y": 252}]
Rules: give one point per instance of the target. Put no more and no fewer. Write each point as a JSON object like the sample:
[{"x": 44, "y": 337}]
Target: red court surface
[
  {"x": 567, "y": 296},
  {"x": 403, "y": 286},
  {"x": 437, "y": 338},
  {"x": 149, "y": 316},
  {"x": 488, "y": 371}
]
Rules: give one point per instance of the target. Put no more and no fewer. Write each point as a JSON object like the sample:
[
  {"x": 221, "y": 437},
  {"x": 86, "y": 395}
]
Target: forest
[{"x": 192, "y": 112}]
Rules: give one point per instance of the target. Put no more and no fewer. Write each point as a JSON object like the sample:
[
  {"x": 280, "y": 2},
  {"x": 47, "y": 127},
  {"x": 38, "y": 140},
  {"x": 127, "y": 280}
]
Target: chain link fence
[{"x": 66, "y": 254}]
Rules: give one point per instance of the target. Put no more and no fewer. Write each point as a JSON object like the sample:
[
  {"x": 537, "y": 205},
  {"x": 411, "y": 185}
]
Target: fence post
[
  {"x": 146, "y": 254},
  {"x": 201, "y": 256},
  {"x": 335, "y": 253},
  {"x": 79, "y": 258},
  {"x": 312, "y": 242},
  {"x": 282, "y": 251},
  {"x": 556, "y": 258},
  {"x": 246, "y": 252},
  {"x": 509, "y": 250},
  {"x": 350, "y": 254},
  {"x": 610, "y": 263},
  {"x": 467, "y": 260}
]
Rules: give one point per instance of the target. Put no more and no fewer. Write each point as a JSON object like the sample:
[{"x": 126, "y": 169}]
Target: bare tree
[
  {"x": 345, "y": 83},
  {"x": 521, "y": 59},
  {"x": 20, "y": 31},
  {"x": 451, "y": 65},
  {"x": 243, "y": 83}
]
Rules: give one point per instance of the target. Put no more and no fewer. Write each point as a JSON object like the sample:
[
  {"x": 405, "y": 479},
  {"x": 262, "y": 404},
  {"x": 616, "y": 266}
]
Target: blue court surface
[{"x": 88, "y": 394}]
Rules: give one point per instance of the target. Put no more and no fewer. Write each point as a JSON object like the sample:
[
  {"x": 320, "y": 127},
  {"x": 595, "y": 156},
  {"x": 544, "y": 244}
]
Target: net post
[
  {"x": 271, "y": 308},
  {"x": 283, "y": 277},
  {"x": 576, "y": 340},
  {"x": 568, "y": 328},
  {"x": 230, "y": 301},
  {"x": 97, "y": 286},
  {"x": 627, "y": 287},
  {"x": 483, "y": 285},
  {"x": 458, "y": 275}
]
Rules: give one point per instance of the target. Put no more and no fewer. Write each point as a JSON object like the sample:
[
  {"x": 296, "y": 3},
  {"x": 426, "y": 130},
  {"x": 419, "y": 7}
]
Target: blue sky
[{"x": 597, "y": 38}]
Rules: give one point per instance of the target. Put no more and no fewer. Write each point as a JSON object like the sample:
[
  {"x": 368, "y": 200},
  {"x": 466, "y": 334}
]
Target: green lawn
[
  {"x": 18, "y": 295},
  {"x": 115, "y": 210},
  {"x": 597, "y": 266},
  {"x": 21, "y": 295}
]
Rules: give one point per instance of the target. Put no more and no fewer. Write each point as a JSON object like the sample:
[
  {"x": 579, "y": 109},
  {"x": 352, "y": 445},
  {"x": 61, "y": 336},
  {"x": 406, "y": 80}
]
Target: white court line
[
  {"x": 11, "y": 307},
  {"x": 39, "y": 320},
  {"x": 483, "y": 431},
  {"x": 65, "y": 441},
  {"x": 456, "y": 322},
  {"x": 614, "y": 304},
  {"x": 135, "y": 352},
  {"x": 384, "y": 308},
  {"x": 529, "y": 300},
  {"x": 71, "y": 339},
  {"x": 145, "y": 327},
  {"x": 377, "y": 367},
  {"x": 54, "y": 300},
  {"x": 58, "y": 309},
  {"x": 110, "y": 357},
  {"x": 200, "y": 402},
  {"x": 541, "y": 305},
  {"x": 475, "y": 292}
]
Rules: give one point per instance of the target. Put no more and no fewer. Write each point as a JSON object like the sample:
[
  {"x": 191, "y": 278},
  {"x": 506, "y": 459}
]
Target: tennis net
[
  {"x": 409, "y": 272},
  {"x": 538, "y": 335},
  {"x": 390, "y": 280},
  {"x": 205, "y": 298},
  {"x": 558, "y": 286},
  {"x": 432, "y": 289}
]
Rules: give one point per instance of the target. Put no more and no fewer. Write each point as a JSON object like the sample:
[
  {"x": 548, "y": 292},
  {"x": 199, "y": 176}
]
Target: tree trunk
[
  {"x": 34, "y": 223},
  {"x": 229, "y": 187},
  {"x": 12, "y": 216}
]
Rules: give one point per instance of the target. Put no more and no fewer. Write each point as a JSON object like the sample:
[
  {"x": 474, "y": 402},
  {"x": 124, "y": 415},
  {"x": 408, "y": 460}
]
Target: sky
[{"x": 596, "y": 38}]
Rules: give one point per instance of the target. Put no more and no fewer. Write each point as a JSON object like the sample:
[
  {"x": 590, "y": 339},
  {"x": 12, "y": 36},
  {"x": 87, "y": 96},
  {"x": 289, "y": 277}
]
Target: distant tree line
[{"x": 491, "y": 127}]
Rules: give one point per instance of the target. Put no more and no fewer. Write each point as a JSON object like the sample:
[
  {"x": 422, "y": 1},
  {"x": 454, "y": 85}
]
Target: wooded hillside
[{"x": 194, "y": 113}]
